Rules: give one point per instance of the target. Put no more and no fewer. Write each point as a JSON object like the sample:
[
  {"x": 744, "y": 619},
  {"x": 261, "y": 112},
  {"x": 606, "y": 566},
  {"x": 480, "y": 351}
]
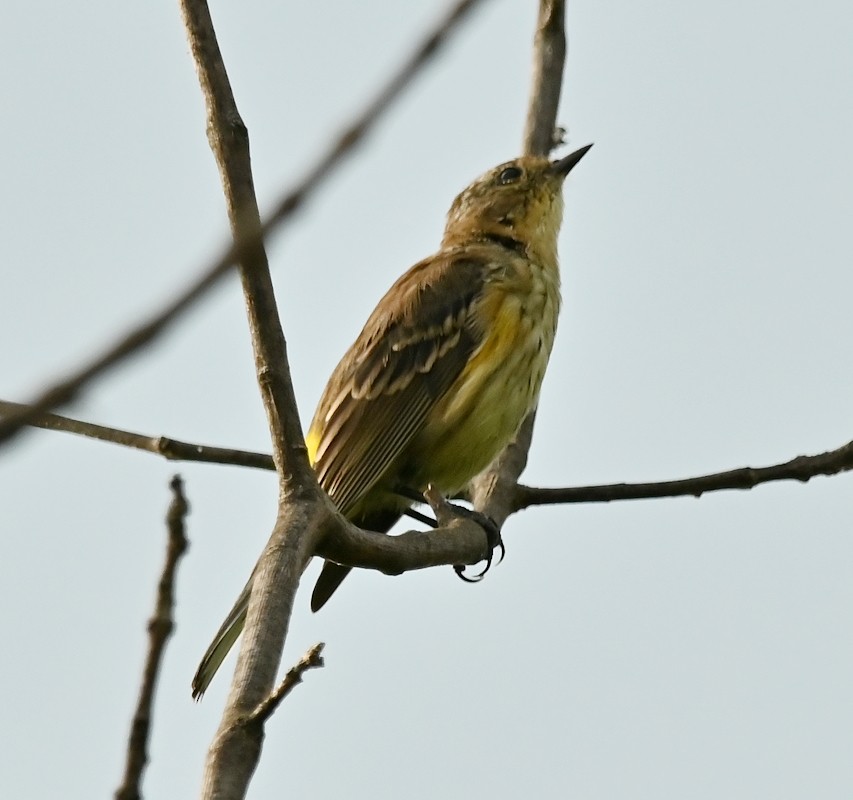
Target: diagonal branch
[
  {"x": 229, "y": 141},
  {"x": 67, "y": 389},
  {"x": 304, "y": 512},
  {"x": 236, "y": 748},
  {"x": 313, "y": 659}
]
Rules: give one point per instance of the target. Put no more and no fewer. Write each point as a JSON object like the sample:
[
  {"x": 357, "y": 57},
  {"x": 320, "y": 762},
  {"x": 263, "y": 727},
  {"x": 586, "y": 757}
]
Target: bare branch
[
  {"x": 229, "y": 141},
  {"x": 549, "y": 55},
  {"x": 236, "y": 749},
  {"x": 65, "y": 390},
  {"x": 313, "y": 659},
  {"x": 492, "y": 491},
  {"x": 802, "y": 468},
  {"x": 458, "y": 540},
  {"x": 303, "y": 508},
  {"x": 171, "y": 449},
  {"x": 423, "y": 53},
  {"x": 160, "y": 627}
]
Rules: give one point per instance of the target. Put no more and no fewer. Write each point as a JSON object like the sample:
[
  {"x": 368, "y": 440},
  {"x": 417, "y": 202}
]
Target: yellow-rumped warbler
[{"x": 447, "y": 367}]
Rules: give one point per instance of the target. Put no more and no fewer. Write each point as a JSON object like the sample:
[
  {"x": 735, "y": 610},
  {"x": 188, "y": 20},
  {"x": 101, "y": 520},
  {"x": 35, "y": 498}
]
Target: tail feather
[
  {"x": 222, "y": 643},
  {"x": 331, "y": 576},
  {"x": 380, "y": 519}
]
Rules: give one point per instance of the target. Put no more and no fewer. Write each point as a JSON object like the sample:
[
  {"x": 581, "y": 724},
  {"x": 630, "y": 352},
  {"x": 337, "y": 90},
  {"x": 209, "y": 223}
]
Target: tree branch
[
  {"x": 229, "y": 141},
  {"x": 170, "y": 449},
  {"x": 458, "y": 540},
  {"x": 801, "y": 468},
  {"x": 160, "y": 627},
  {"x": 492, "y": 491},
  {"x": 313, "y": 659},
  {"x": 304, "y": 511},
  {"x": 549, "y": 56},
  {"x": 67, "y": 389},
  {"x": 236, "y": 748}
]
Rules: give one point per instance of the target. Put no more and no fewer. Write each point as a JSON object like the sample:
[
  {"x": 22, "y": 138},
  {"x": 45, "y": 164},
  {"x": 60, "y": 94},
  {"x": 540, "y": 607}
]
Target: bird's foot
[
  {"x": 494, "y": 542},
  {"x": 442, "y": 507}
]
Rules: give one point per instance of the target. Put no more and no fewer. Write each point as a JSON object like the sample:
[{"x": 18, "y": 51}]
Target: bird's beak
[{"x": 565, "y": 165}]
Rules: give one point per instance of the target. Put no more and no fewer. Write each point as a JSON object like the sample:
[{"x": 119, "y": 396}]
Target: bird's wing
[{"x": 415, "y": 344}]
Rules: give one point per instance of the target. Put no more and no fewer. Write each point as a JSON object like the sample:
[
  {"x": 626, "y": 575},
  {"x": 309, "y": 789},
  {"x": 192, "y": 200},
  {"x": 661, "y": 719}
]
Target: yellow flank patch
[
  {"x": 312, "y": 442},
  {"x": 497, "y": 388},
  {"x": 506, "y": 324}
]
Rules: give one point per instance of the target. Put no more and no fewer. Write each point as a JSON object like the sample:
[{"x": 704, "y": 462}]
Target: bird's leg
[
  {"x": 422, "y": 518},
  {"x": 416, "y": 497},
  {"x": 442, "y": 507}
]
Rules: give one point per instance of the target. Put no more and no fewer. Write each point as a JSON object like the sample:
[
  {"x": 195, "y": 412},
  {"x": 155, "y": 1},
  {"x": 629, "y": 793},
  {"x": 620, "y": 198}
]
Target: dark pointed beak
[{"x": 565, "y": 165}]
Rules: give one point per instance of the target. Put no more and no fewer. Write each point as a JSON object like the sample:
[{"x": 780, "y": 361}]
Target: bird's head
[{"x": 521, "y": 200}]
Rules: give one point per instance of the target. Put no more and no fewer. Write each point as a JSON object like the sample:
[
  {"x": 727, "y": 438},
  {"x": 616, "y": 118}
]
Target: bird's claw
[
  {"x": 493, "y": 539},
  {"x": 445, "y": 511}
]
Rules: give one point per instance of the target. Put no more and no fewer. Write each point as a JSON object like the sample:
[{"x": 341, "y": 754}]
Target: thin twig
[
  {"x": 160, "y": 627},
  {"x": 549, "y": 55},
  {"x": 801, "y": 468},
  {"x": 313, "y": 659},
  {"x": 171, "y": 449},
  {"x": 65, "y": 390},
  {"x": 492, "y": 491}
]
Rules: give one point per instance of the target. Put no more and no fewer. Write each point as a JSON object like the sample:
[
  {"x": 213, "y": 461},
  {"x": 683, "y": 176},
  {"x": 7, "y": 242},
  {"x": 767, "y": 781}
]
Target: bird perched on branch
[{"x": 447, "y": 367}]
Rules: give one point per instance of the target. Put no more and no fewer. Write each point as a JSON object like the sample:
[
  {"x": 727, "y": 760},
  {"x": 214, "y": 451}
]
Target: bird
[{"x": 446, "y": 368}]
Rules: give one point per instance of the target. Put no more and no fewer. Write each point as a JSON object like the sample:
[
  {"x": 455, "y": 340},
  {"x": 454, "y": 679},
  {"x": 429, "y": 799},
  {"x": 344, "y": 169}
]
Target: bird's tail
[
  {"x": 381, "y": 518},
  {"x": 331, "y": 576},
  {"x": 222, "y": 643}
]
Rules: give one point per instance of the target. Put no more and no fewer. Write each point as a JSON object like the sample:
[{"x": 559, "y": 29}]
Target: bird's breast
[{"x": 483, "y": 409}]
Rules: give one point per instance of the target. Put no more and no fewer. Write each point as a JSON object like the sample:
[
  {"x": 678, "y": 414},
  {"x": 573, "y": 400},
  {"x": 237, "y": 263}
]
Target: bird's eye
[{"x": 509, "y": 175}]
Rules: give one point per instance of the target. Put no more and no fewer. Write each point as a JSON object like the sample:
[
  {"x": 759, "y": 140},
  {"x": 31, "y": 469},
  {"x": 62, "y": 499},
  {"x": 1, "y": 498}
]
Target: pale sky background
[{"x": 662, "y": 649}]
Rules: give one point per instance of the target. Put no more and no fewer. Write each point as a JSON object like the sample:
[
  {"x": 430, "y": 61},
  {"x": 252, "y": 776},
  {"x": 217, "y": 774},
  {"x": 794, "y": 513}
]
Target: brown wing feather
[{"x": 412, "y": 348}]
